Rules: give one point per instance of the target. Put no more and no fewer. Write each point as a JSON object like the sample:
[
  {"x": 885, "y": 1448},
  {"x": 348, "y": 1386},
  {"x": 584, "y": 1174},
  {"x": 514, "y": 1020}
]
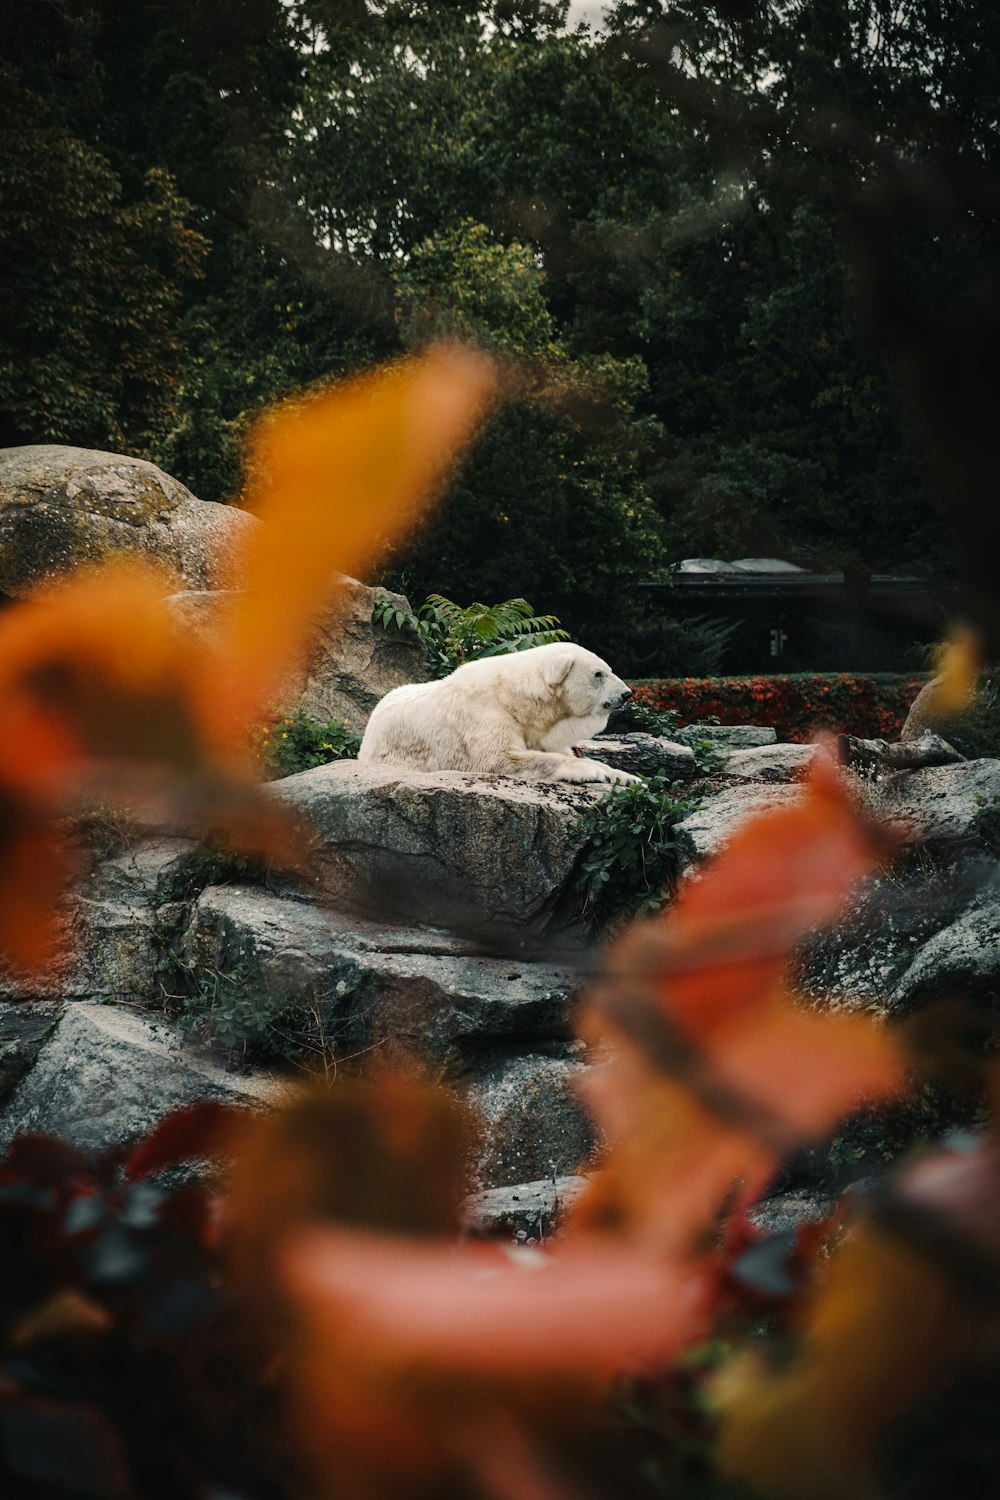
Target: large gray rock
[
  {"x": 941, "y": 802},
  {"x": 726, "y": 737},
  {"x": 928, "y": 749},
  {"x": 705, "y": 831},
  {"x": 924, "y": 712},
  {"x": 60, "y": 507},
  {"x": 352, "y": 662},
  {"x": 641, "y": 754},
  {"x": 492, "y": 855},
  {"x": 525, "y": 1211},
  {"x": 24, "y": 1028},
  {"x": 784, "y": 1212},
  {"x": 107, "y": 1075},
  {"x": 532, "y": 1121},
  {"x": 127, "y": 918},
  {"x": 382, "y": 992},
  {"x": 962, "y": 961},
  {"x": 770, "y": 762},
  {"x": 860, "y": 961}
]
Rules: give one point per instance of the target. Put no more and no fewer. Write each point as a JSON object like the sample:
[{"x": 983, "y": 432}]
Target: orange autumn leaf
[
  {"x": 907, "y": 1305},
  {"x": 336, "y": 476},
  {"x": 583, "y": 1310},
  {"x": 405, "y": 1348},
  {"x": 959, "y": 664},
  {"x": 103, "y": 689},
  {"x": 724, "y": 943},
  {"x": 716, "y": 1073}
]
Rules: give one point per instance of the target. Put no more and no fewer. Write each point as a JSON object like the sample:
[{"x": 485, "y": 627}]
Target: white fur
[{"x": 513, "y": 715}]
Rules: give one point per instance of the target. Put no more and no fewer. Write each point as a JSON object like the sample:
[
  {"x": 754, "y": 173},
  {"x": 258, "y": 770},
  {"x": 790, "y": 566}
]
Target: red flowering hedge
[{"x": 872, "y": 706}]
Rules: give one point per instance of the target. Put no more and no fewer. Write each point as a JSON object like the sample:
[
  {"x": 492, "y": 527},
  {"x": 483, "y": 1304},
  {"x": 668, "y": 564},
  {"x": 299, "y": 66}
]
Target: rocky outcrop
[
  {"x": 352, "y": 663},
  {"x": 61, "y": 507},
  {"x": 25, "y": 1026},
  {"x": 942, "y": 803},
  {"x": 725, "y": 737},
  {"x": 924, "y": 712},
  {"x": 384, "y": 993},
  {"x": 770, "y": 762},
  {"x": 489, "y": 855},
  {"x": 706, "y": 830},
  {"x": 960, "y": 962},
  {"x": 905, "y": 755},
  {"x": 527, "y": 1211},
  {"x": 532, "y": 1121},
  {"x": 641, "y": 754},
  {"x": 107, "y": 1075}
]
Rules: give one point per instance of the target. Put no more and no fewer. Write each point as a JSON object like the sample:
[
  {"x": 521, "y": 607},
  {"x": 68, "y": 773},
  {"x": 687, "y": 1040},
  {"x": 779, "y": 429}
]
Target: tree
[{"x": 89, "y": 352}]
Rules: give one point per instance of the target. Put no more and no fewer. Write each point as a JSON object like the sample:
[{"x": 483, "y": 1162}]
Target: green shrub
[
  {"x": 451, "y": 635},
  {"x": 298, "y": 742},
  {"x": 232, "y": 1010},
  {"x": 975, "y": 732},
  {"x": 871, "y": 705},
  {"x": 641, "y": 718},
  {"x": 630, "y": 857},
  {"x": 671, "y": 646}
]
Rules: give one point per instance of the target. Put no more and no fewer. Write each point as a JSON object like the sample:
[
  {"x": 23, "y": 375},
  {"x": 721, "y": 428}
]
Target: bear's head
[{"x": 584, "y": 685}]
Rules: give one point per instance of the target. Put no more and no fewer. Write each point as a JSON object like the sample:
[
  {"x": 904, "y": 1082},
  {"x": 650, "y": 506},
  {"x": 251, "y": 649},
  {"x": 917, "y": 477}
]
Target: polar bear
[{"x": 513, "y": 715}]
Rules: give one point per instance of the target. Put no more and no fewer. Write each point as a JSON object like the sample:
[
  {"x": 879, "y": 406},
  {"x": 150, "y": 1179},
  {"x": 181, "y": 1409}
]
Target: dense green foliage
[
  {"x": 629, "y": 861},
  {"x": 976, "y": 730},
  {"x": 694, "y": 231},
  {"x": 299, "y": 742},
  {"x": 451, "y": 635}
]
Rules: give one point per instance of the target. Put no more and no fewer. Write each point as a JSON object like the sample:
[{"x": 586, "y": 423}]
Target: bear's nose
[{"x": 626, "y": 695}]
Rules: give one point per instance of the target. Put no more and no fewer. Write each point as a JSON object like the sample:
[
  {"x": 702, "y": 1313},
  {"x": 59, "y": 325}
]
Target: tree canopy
[{"x": 704, "y": 232}]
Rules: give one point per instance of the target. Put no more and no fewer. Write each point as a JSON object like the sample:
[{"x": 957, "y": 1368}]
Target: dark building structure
[{"x": 785, "y": 619}]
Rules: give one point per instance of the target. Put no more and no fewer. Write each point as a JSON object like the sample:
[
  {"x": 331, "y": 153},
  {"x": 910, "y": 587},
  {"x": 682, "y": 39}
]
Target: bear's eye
[{"x": 598, "y": 674}]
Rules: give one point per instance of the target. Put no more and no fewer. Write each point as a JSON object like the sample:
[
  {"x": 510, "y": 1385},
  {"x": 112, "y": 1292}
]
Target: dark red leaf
[{"x": 199, "y": 1131}]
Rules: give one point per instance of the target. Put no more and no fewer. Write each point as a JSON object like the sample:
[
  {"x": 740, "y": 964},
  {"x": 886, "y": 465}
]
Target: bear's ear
[{"x": 559, "y": 668}]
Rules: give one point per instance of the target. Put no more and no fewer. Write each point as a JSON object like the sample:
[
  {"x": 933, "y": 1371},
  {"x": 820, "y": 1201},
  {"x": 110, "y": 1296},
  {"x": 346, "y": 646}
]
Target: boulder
[
  {"x": 906, "y": 755},
  {"x": 941, "y": 802},
  {"x": 531, "y": 1120},
  {"x": 783, "y": 1213},
  {"x": 126, "y": 921},
  {"x": 770, "y": 762},
  {"x": 24, "y": 1028},
  {"x": 726, "y": 737},
  {"x": 860, "y": 961},
  {"x": 924, "y": 711},
  {"x": 490, "y": 855},
  {"x": 383, "y": 992},
  {"x": 962, "y": 961},
  {"x": 527, "y": 1211},
  {"x": 641, "y": 754},
  {"x": 60, "y": 507},
  {"x": 707, "y": 829},
  {"x": 107, "y": 1075},
  {"x": 352, "y": 663}
]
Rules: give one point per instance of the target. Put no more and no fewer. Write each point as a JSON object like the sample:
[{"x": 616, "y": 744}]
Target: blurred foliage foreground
[{"x": 310, "y": 1321}]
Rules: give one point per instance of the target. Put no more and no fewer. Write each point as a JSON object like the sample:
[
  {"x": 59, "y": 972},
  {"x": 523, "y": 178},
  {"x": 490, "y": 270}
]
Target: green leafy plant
[
  {"x": 642, "y": 718},
  {"x": 229, "y": 1010},
  {"x": 298, "y": 742},
  {"x": 871, "y": 705},
  {"x": 630, "y": 857},
  {"x": 451, "y": 635}
]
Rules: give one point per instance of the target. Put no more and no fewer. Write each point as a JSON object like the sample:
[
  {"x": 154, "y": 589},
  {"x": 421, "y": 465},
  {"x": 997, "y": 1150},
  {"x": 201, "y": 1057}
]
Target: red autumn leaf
[
  {"x": 203, "y": 1130},
  {"x": 585, "y": 1310},
  {"x": 103, "y": 690},
  {"x": 716, "y": 1073},
  {"x": 336, "y": 476}
]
